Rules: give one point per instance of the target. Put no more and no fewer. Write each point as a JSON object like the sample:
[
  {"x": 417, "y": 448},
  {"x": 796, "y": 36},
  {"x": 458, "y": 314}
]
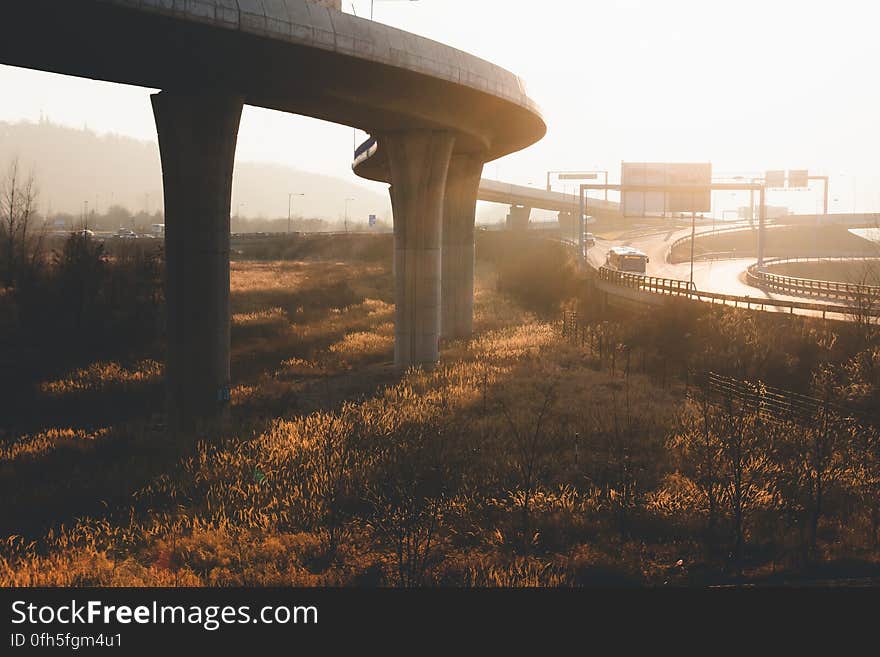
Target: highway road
[{"x": 723, "y": 276}]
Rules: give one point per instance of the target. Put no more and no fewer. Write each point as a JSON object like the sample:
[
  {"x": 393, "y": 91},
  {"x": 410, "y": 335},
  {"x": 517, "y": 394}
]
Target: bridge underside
[
  {"x": 110, "y": 41},
  {"x": 439, "y": 122}
]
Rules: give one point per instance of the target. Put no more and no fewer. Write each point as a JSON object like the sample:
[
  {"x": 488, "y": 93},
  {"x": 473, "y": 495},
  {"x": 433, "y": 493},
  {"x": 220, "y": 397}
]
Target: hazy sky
[{"x": 749, "y": 85}]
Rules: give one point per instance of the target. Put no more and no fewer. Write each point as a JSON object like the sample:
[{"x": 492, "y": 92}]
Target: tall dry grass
[{"x": 521, "y": 460}]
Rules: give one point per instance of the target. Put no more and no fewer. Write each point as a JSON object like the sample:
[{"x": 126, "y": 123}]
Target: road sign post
[{"x": 696, "y": 190}]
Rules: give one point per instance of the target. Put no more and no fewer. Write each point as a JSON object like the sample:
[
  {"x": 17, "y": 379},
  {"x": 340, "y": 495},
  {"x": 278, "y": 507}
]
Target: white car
[{"x": 589, "y": 239}]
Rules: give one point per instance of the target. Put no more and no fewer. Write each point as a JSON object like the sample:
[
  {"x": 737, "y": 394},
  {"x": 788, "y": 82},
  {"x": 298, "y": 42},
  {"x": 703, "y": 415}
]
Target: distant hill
[{"x": 77, "y": 165}]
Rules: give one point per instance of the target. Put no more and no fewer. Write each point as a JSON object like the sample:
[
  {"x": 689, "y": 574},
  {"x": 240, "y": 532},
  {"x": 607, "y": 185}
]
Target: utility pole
[
  {"x": 290, "y": 196},
  {"x": 751, "y": 207},
  {"x": 693, "y": 239},
  {"x": 761, "y": 218},
  {"x": 824, "y": 179},
  {"x": 581, "y": 241}
]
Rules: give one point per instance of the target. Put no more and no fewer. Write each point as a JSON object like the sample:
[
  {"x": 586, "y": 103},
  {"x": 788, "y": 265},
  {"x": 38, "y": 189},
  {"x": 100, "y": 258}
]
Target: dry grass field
[{"x": 521, "y": 460}]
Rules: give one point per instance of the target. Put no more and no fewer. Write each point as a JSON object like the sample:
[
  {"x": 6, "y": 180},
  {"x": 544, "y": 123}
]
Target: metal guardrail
[
  {"x": 300, "y": 234},
  {"x": 655, "y": 284},
  {"x": 773, "y": 404},
  {"x": 861, "y": 295},
  {"x": 363, "y": 148},
  {"x": 767, "y": 402},
  {"x": 726, "y": 229},
  {"x": 684, "y": 289}
]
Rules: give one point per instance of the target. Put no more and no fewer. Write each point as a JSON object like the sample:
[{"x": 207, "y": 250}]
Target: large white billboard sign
[{"x": 669, "y": 175}]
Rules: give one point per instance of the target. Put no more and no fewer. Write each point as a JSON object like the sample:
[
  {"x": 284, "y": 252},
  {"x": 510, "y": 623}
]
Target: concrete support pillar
[
  {"x": 459, "y": 214},
  {"x": 518, "y": 218},
  {"x": 567, "y": 224},
  {"x": 197, "y": 140},
  {"x": 419, "y": 161}
]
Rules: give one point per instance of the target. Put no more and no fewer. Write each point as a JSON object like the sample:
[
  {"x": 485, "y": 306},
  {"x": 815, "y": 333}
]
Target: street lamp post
[
  {"x": 290, "y": 196},
  {"x": 693, "y": 239}
]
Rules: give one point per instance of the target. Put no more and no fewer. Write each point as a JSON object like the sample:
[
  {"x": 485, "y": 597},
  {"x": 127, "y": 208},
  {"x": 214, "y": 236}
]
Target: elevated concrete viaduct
[
  {"x": 464, "y": 187},
  {"x": 439, "y": 112}
]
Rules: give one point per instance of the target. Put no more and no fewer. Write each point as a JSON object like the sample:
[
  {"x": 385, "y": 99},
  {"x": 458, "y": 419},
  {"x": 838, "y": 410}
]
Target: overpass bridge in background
[
  {"x": 370, "y": 162},
  {"x": 522, "y": 199},
  {"x": 438, "y": 113}
]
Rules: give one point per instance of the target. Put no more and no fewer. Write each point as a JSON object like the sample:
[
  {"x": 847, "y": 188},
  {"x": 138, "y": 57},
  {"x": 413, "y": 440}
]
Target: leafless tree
[
  {"x": 531, "y": 445},
  {"x": 19, "y": 245},
  {"x": 865, "y": 303}
]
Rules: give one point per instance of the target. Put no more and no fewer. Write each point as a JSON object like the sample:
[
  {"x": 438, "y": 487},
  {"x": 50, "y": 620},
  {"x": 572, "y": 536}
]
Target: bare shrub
[
  {"x": 530, "y": 444},
  {"x": 410, "y": 478},
  {"x": 20, "y": 242}
]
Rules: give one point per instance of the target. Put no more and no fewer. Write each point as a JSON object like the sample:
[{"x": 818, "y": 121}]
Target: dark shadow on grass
[{"x": 97, "y": 478}]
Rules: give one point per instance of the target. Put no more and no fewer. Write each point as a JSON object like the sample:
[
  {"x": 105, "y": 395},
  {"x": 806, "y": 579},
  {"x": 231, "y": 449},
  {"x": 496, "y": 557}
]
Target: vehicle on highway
[
  {"x": 589, "y": 239},
  {"x": 626, "y": 259},
  {"x": 84, "y": 232},
  {"x": 125, "y": 234}
]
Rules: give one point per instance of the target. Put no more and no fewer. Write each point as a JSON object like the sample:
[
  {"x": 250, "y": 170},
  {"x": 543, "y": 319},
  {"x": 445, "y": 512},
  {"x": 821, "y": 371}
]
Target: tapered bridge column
[
  {"x": 459, "y": 213},
  {"x": 419, "y": 161},
  {"x": 197, "y": 140},
  {"x": 518, "y": 218}
]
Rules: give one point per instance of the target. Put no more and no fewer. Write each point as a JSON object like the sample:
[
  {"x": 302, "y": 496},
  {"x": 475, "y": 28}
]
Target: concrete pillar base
[
  {"x": 568, "y": 225},
  {"x": 518, "y": 218},
  {"x": 419, "y": 161},
  {"x": 197, "y": 140},
  {"x": 459, "y": 212}
]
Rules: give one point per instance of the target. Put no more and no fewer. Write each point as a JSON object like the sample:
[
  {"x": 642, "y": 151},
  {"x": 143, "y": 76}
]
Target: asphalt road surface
[{"x": 722, "y": 276}]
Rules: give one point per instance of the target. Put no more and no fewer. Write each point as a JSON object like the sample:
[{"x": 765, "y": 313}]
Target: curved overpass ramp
[
  {"x": 726, "y": 276},
  {"x": 371, "y": 162},
  {"x": 288, "y": 55},
  {"x": 438, "y": 112}
]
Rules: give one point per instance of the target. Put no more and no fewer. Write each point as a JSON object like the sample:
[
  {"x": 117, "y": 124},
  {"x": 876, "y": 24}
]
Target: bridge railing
[
  {"x": 724, "y": 229},
  {"x": 666, "y": 286},
  {"x": 654, "y": 284},
  {"x": 851, "y": 292},
  {"x": 716, "y": 255},
  {"x": 364, "y": 148},
  {"x": 686, "y": 289},
  {"x": 321, "y": 27}
]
